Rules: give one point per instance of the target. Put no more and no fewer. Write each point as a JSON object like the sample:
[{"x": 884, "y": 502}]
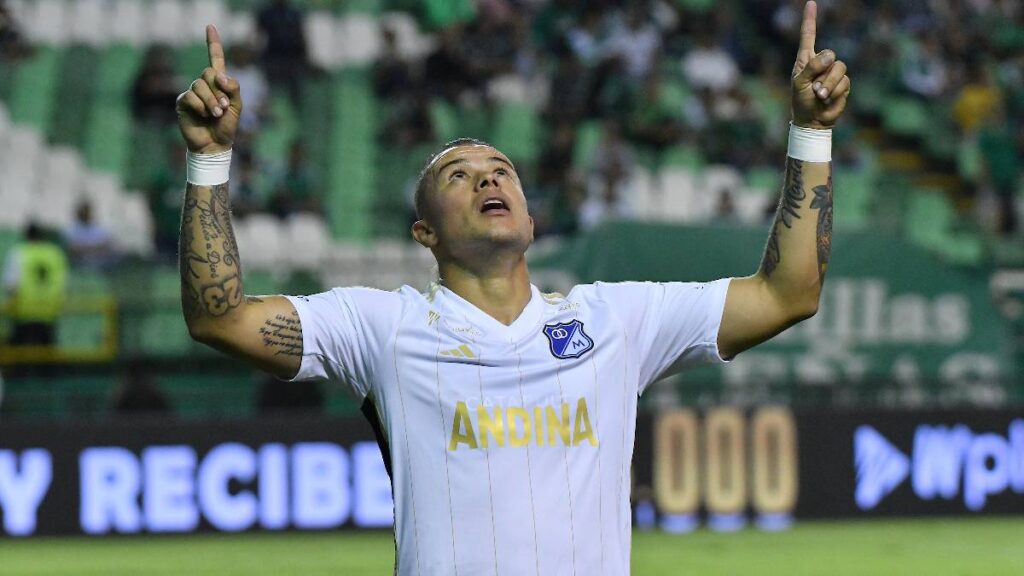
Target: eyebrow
[{"x": 463, "y": 161}]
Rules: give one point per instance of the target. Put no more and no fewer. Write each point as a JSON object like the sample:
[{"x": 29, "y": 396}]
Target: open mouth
[{"x": 493, "y": 206}]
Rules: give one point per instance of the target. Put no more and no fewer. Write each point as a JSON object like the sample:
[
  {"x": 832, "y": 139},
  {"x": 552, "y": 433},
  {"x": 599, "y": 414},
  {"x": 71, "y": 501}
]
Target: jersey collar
[{"x": 460, "y": 310}]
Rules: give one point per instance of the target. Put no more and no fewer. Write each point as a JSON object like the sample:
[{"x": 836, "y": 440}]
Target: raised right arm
[{"x": 263, "y": 330}]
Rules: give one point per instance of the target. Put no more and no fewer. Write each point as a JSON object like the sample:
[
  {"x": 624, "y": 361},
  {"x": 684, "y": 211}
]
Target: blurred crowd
[
  {"x": 712, "y": 75},
  {"x": 710, "y": 78}
]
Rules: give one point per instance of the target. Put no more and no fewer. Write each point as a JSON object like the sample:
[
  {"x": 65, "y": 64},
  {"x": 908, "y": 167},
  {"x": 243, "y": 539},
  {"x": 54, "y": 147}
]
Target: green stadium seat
[
  {"x": 108, "y": 138},
  {"x": 516, "y": 132},
  {"x": 73, "y": 96},
  {"x": 33, "y": 90},
  {"x": 906, "y": 117},
  {"x": 853, "y": 197},
  {"x": 588, "y": 138},
  {"x": 928, "y": 218},
  {"x": 116, "y": 70},
  {"x": 351, "y": 173},
  {"x": 445, "y": 120}
]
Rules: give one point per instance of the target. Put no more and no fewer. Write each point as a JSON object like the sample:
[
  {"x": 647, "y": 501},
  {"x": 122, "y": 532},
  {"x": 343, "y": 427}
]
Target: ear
[
  {"x": 531, "y": 229},
  {"x": 423, "y": 233}
]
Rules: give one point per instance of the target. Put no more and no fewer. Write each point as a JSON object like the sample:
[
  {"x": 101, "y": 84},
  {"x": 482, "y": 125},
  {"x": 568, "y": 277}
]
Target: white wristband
[
  {"x": 207, "y": 169},
  {"x": 809, "y": 144}
]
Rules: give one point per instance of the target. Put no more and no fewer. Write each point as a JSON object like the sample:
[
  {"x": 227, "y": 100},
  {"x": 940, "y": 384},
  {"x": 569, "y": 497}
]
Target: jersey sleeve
[
  {"x": 343, "y": 333},
  {"x": 674, "y": 325}
]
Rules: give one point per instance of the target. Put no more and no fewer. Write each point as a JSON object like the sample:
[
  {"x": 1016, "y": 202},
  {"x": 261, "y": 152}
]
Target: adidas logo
[{"x": 460, "y": 352}]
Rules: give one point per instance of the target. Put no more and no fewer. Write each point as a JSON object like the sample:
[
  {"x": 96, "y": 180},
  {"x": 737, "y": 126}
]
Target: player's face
[{"x": 477, "y": 197}]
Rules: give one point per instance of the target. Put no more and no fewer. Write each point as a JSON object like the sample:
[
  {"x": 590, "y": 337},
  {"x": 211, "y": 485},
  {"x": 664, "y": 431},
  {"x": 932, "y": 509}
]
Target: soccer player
[{"x": 506, "y": 416}]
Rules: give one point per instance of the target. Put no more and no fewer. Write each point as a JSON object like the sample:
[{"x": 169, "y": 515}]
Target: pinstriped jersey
[{"x": 509, "y": 446}]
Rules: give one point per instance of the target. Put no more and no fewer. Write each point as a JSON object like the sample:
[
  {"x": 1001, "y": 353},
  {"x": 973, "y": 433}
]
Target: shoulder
[{"x": 612, "y": 292}]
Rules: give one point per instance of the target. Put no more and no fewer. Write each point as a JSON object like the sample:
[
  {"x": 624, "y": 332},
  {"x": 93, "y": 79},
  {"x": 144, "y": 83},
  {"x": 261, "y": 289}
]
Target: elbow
[
  {"x": 200, "y": 332},
  {"x": 805, "y": 309}
]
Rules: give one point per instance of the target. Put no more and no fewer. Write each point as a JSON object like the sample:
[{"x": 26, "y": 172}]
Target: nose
[{"x": 487, "y": 181}]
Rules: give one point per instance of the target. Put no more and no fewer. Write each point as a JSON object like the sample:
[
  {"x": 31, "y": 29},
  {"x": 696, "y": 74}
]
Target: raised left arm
[{"x": 787, "y": 286}]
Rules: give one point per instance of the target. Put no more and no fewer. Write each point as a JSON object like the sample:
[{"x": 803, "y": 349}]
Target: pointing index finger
[
  {"x": 808, "y": 29},
  {"x": 216, "y": 49}
]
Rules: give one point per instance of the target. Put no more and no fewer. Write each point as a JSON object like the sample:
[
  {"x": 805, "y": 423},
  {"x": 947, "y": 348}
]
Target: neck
[{"x": 502, "y": 292}]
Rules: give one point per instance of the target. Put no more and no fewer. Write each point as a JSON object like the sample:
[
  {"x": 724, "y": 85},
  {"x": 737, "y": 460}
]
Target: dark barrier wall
[
  {"x": 724, "y": 467},
  {"x": 152, "y": 476},
  {"x": 727, "y": 466}
]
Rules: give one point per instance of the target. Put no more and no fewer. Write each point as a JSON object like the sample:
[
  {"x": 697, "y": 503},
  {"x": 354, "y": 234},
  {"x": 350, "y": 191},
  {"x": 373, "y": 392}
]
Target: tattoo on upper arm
[
  {"x": 789, "y": 205},
  {"x": 283, "y": 334},
  {"x": 823, "y": 203},
  {"x": 210, "y": 272}
]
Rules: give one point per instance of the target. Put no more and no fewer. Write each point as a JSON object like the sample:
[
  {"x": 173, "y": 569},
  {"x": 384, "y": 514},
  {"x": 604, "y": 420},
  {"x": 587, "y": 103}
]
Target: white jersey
[{"x": 509, "y": 447}]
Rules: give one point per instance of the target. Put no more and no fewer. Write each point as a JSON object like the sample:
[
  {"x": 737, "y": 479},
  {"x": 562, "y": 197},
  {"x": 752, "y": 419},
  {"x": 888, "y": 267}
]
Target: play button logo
[{"x": 881, "y": 467}]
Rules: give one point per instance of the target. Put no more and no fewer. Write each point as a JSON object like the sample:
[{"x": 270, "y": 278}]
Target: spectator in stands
[
  {"x": 296, "y": 185},
  {"x": 89, "y": 244},
  {"x": 12, "y": 43},
  {"x": 137, "y": 392},
  {"x": 636, "y": 40},
  {"x": 253, "y": 84},
  {"x": 492, "y": 36},
  {"x": 407, "y": 121},
  {"x": 1001, "y": 161},
  {"x": 977, "y": 99},
  {"x": 444, "y": 70},
  {"x": 163, "y": 192},
  {"x": 610, "y": 169},
  {"x": 393, "y": 75},
  {"x": 923, "y": 68},
  {"x": 708, "y": 66},
  {"x": 655, "y": 122},
  {"x": 285, "y": 54},
  {"x": 156, "y": 87},
  {"x": 35, "y": 279},
  {"x": 245, "y": 195}
]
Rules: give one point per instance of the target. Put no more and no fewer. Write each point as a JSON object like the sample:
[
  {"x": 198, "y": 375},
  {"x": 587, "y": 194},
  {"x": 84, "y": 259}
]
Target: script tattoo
[
  {"x": 789, "y": 205},
  {"x": 823, "y": 203},
  {"x": 283, "y": 335},
  {"x": 211, "y": 279}
]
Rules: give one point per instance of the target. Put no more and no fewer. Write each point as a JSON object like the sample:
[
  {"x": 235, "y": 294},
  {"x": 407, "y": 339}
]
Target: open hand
[
  {"x": 820, "y": 83},
  {"x": 208, "y": 112}
]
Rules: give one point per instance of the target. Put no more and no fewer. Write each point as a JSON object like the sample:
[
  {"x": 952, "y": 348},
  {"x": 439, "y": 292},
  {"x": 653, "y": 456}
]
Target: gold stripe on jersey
[{"x": 463, "y": 351}]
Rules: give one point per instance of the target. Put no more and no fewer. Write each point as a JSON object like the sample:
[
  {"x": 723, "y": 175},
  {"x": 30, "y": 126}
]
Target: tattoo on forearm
[
  {"x": 211, "y": 278},
  {"x": 283, "y": 335},
  {"x": 789, "y": 205},
  {"x": 823, "y": 203}
]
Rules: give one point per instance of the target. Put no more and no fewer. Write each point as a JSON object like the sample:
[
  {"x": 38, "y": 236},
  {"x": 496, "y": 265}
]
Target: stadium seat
[
  {"x": 33, "y": 86},
  {"x": 90, "y": 22},
  {"x": 17, "y": 205},
  {"x": 412, "y": 44},
  {"x": 134, "y": 234},
  {"x": 322, "y": 38},
  {"x": 359, "y": 39},
  {"x": 103, "y": 192},
  {"x": 516, "y": 131},
  {"x": 198, "y": 13},
  {"x": 261, "y": 242},
  {"x": 678, "y": 196},
  {"x": 240, "y": 27},
  {"x": 48, "y": 23},
  {"x": 128, "y": 23},
  {"x": 906, "y": 117},
  {"x": 720, "y": 177},
  {"x": 166, "y": 23},
  {"x": 307, "y": 240}
]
